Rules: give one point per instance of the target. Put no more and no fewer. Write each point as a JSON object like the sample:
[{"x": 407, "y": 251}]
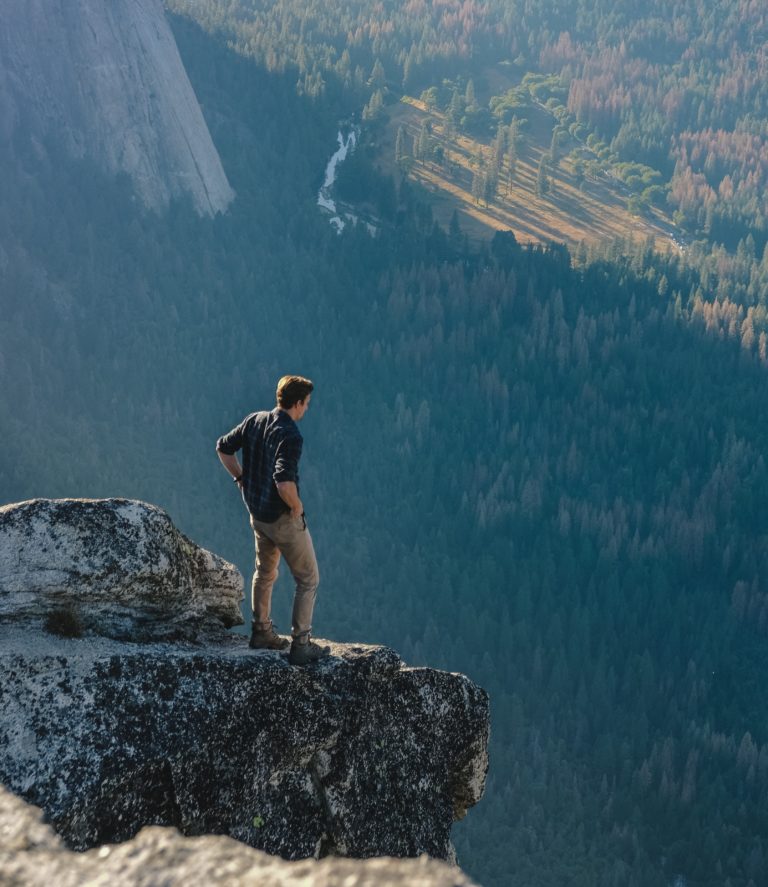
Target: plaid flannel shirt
[{"x": 271, "y": 443}]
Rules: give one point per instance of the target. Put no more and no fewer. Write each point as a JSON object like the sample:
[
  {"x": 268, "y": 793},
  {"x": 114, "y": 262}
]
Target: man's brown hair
[{"x": 292, "y": 389}]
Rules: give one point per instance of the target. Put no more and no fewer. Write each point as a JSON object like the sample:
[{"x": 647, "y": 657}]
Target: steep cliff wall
[
  {"x": 358, "y": 755},
  {"x": 105, "y": 81}
]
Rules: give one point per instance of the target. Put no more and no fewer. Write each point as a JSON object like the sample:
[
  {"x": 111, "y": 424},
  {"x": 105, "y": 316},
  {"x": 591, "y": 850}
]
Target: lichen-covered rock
[
  {"x": 356, "y": 756},
  {"x": 113, "y": 567},
  {"x": 31, "y": 855}
]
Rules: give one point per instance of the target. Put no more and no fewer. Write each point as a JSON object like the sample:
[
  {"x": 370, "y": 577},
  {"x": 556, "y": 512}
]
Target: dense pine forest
[{"x": 541, "y": 466}]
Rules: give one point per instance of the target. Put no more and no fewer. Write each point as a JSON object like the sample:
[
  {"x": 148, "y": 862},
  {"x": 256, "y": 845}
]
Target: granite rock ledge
[{"x": 356, "y": 756}]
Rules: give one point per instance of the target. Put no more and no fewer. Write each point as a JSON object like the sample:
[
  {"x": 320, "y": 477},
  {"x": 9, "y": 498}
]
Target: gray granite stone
[
  {"x": 113, "y": 567},
  {"x": 105, "y": 81}
]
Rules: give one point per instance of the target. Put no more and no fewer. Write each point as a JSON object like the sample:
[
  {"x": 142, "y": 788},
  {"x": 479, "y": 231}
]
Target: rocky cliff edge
[{"x": 125, "y": 703}]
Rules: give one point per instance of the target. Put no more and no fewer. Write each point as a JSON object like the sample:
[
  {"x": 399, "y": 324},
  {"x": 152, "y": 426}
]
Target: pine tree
[
  {"x": 491, "y": 181},
  {"x": 511, "y": 167},
  {"x": 511, "y": 159},
  {"x": 478, "y": 184},
  {"x": 513, "y": 133},
  {"x": 378, "y": 79},
  {"x": 456, "y": 108},
  {"x": 410, "y": 63},
  {"x": 469, "y": 95},
  {"x": 375, "y": 107},
  {"x": 499, "y": 143},
  {"x": 542, "y": 177},
  {"x": 578, "y": 171},
  {"x": 554, "y": 148},
  {"x": 424, "y": 144}
]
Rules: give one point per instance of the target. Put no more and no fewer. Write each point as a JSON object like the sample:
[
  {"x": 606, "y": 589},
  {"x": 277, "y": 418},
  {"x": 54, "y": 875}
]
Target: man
[{"x": 269, "y": 481}]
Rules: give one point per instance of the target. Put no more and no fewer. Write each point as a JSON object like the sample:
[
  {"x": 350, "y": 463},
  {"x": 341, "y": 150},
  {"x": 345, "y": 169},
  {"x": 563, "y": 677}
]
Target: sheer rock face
[
  {"x": 105, "y": 81},
  {"x": 113, "y": 567},
  {"x": 32, "y": 855},
  {"x": 355, "y": 756}
]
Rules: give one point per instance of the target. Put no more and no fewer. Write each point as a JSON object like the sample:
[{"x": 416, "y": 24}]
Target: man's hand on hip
[{"x": 290, "y": 495}]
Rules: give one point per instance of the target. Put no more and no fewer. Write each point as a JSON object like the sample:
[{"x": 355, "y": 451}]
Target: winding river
[{"x": 324, "y": 198}]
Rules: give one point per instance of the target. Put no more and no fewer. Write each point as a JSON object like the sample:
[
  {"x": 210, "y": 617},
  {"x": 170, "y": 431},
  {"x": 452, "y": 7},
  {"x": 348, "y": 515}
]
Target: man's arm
[
  {"x": 286, "y": 473},
  {"x": 229, "y": 461},
  {"x": 290, "y": 495},
  {"x": 227, "y": 446}
]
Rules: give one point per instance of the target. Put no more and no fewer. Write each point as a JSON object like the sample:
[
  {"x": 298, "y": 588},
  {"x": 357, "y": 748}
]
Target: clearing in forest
[{"x": 592, "y": 210}]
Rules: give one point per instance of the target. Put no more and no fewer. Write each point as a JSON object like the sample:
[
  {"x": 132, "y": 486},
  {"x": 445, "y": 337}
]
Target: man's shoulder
[
  {"x": 274, "y": 425},
  {"x": 285, "y": 425},
  {"x": 253, "y": 423},
  {"x": 257, "y": 418}
]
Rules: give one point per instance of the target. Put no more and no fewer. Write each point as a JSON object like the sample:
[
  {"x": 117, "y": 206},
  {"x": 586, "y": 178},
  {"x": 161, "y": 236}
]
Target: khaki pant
[{"x": 287, "y": 536}]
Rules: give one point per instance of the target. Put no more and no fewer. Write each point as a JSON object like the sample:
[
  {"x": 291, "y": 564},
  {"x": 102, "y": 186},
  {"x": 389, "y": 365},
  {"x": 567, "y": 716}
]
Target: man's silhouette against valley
[{"x": 269, "y": 480}]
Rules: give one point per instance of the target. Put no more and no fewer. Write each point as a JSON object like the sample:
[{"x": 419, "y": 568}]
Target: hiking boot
[
  {"x": 266, "y": 638},
  {"x": 304, "y": 652}
]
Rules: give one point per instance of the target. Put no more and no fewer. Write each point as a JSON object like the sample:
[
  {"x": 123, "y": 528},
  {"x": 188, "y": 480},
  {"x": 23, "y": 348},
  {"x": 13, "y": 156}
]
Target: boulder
[{"x": 112, "y": 567}]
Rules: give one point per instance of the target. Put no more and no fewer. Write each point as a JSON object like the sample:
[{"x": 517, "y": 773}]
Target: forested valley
[
  {"x": 542, "y": 466},
  {"x": 676, "y": 93}
]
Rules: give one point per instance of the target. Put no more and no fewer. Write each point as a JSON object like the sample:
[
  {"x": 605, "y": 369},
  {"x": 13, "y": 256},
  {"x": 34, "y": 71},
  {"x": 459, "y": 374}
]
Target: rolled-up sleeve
[
  {"x": 287, "y": 460},
  {"x": 230, "y": 443}
]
